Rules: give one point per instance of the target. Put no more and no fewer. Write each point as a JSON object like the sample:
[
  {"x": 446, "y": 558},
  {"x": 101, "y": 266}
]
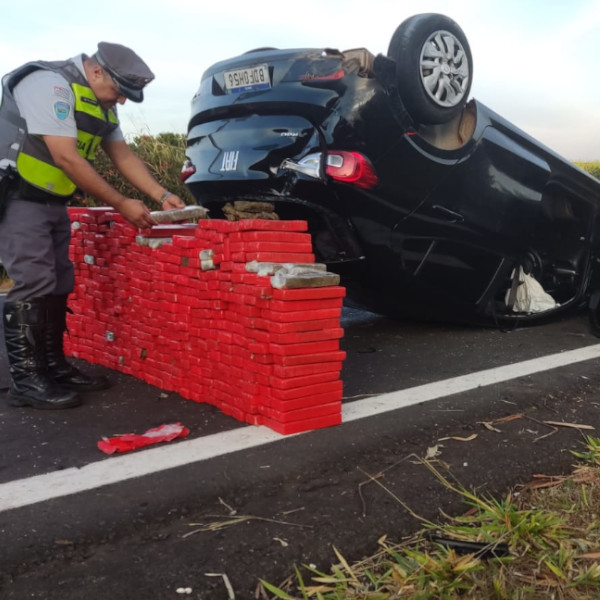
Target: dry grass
[{"x": 540, "y": 542}]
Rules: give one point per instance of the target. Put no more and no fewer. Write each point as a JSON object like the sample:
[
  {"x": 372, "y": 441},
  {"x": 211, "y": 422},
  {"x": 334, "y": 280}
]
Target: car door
[{"x": 463, "y": 239}]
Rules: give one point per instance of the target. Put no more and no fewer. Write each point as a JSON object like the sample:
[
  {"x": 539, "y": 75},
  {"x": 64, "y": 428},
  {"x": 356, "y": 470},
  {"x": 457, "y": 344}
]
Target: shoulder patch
[
  {"x": 62, "y": 110},
  {"x": 61, "y": 92}
]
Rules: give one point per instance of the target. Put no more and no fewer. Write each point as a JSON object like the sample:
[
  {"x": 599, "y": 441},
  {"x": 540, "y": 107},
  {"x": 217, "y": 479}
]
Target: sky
[{"x": 534, "y": 60}]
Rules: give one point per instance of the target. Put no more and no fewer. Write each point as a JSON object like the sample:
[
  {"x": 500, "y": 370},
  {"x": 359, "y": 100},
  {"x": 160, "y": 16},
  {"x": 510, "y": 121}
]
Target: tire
[{"x": 434, "y": 67}]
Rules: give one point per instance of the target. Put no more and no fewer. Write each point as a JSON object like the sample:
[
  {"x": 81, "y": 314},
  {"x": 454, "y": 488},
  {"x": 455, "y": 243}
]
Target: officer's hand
[
  {"x": 137, "y": 213},
  {"x": 172, "y": 202}
]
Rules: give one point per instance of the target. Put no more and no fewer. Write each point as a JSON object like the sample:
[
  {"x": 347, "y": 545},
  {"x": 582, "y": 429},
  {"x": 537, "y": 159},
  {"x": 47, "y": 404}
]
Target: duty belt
[{"x": 26, "y": 191}]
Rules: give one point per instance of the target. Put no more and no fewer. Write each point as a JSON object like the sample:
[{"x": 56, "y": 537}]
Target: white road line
[
  {"x": 115, "y": 469},
  {"x": 439, "y": 389},
  {"x": 118, "y": 468}
]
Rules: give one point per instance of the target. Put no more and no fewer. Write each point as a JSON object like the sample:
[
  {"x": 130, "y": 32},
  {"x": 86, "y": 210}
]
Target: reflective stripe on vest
[{"x": 35, "y": 164}]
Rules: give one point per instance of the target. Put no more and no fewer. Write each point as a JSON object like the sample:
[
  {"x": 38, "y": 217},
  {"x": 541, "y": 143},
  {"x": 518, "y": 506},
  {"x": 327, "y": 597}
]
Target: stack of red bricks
[{"x": 187, "y": 308}]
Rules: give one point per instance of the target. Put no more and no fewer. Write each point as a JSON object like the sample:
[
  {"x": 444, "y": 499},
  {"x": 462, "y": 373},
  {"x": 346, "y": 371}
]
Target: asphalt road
[{"x": 384, "y": 357}]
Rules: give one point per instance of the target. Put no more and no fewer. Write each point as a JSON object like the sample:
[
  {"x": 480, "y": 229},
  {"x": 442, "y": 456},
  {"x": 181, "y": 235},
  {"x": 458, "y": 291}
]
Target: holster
[{"x": 8, "y": 178}]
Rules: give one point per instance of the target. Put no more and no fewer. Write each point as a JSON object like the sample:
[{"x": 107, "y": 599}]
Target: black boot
[
  {"x": 24, "y": 325},
  {"x": 62, "y": 372}
]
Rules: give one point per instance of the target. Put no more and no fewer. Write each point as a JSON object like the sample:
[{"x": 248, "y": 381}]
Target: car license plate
[{"x": 248, "y": 80}]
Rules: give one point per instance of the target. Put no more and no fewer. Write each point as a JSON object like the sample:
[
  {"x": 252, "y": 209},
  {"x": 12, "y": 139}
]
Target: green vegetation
[
  {"x": 593, "y": 168},
  {"x": 164, "y": 155},
  {"x": 543, "y": 542}
]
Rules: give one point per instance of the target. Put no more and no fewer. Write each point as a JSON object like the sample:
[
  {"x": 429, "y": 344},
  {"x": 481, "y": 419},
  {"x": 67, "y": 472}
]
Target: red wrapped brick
[
  {"x": 317, "y": 293},
  {"x": 266, "y": 224},
  {"x": 296, "y": 337},
  {"x": 303, "y": 424},
  {"x": 270, "y": 236}
]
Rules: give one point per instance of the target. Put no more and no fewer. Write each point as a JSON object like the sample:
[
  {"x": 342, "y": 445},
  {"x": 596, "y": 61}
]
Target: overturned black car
[{"x": 427, "y": 204}]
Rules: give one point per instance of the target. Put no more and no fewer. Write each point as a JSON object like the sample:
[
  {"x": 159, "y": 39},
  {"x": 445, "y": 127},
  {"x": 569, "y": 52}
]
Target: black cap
[{"x": 127, "y": 69}]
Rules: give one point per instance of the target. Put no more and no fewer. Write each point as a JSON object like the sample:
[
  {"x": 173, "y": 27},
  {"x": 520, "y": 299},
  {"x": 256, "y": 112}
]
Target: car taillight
[
  {"x": 187, "y": 170},
  {"x": 351, "y": 167},
  {"x": 328, "y": 77}
]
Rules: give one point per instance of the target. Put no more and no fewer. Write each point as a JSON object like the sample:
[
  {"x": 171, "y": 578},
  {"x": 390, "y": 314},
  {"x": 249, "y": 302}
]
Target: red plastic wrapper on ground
[{"x": 133, "y": 441}]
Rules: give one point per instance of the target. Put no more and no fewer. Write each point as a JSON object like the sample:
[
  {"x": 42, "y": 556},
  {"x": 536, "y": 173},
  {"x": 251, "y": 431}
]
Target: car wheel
[{"x": 434, "y": 67}]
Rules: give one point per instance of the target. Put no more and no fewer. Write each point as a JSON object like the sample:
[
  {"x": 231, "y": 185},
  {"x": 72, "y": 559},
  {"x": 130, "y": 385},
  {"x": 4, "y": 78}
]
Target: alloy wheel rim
[{"x": 444, "y": 69}]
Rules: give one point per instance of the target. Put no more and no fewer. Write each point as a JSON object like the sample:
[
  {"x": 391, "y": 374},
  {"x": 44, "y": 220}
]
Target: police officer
[{"x": 53, "y": 117}]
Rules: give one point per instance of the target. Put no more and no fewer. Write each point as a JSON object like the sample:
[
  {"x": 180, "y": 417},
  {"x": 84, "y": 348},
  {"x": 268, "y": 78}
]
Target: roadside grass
[{"x": 541, "y": 542}]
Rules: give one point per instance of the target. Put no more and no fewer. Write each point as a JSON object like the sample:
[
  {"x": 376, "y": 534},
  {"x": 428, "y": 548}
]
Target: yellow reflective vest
[{"x": 29, "y": 153}]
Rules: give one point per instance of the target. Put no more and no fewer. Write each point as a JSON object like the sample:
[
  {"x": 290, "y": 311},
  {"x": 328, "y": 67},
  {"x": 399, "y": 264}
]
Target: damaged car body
[{"x": 427, "y": 203}]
